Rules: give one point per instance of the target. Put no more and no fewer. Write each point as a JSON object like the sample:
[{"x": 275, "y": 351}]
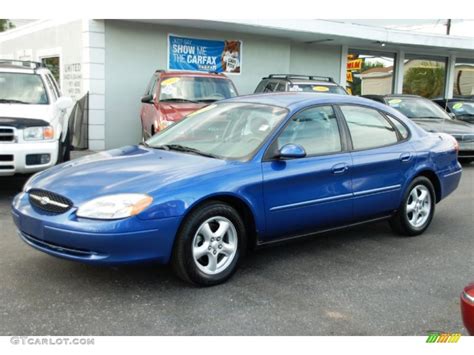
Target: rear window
[
  {"x": 319, "y": 88},
  {"x": 21, "y": 88},
  {"x": 200, "y": 89}
]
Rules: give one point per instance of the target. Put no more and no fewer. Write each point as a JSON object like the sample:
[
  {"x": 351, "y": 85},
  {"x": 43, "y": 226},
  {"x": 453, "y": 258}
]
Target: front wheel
[
  {"x": 209, "y": 245},
  {"x": 417, "y": 208}
]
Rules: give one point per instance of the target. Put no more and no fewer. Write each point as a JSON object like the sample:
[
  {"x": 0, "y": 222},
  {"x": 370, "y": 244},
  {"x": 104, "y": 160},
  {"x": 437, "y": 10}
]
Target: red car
[
  {"x": 171, "y": 95},
  {"x": 467, "y": 308}
]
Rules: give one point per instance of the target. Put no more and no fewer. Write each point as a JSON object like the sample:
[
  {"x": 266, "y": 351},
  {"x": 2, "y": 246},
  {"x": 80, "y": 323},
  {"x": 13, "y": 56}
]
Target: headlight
[
  {"x": 38, "y": 133},
  {"x": 115, "y": 206}
]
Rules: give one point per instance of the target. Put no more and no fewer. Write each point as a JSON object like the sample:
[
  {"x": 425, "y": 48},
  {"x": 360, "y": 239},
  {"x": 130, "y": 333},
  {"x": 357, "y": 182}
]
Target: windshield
[
  {"x": 414, "y": 107},
  {"x": 307, "y": 87},
  {"x": 198, "y": 89},
  {"x": 226, "y": 130},
  {"x": 20, "y": 88},
  {"x": 462, "y": 109}
]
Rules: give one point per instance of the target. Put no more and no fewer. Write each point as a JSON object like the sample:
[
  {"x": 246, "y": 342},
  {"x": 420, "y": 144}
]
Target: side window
[
  {"x": 270, "y": 87},
  {"x": 55, "y": 84},
  {"x": 51, "y": 88},
  {"x": 281, "y": 86},
  {"x": 315, "y": 129},
  {"x": 261, "y": 86},
  {"x": 150, "y": 89},
  {"x": 368, "y": 128},
  {"x": 399, "y": 126}
]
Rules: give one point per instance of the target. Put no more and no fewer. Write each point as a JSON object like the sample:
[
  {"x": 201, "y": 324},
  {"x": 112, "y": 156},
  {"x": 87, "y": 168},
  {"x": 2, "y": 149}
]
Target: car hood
[
  {"x": 131, "y": 169},
  {"x": 39, "y": 112},
  {"x": 444, "y": 126},
  {"x": 176, "y": 111}
]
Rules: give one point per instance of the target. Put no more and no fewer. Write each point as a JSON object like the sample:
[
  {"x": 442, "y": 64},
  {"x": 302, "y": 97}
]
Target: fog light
[{"x": 38, "y": 159}]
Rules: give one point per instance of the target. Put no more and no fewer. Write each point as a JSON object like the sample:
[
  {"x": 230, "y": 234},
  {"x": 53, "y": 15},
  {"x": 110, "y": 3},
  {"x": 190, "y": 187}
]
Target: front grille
[
  {"x": 7, "y": 135},
  {"x": 465, "y": 138},
  {"x": 49, "y": 201},
  {"x": 87, "y": 254},
  {"x": 6, "y": 157}
]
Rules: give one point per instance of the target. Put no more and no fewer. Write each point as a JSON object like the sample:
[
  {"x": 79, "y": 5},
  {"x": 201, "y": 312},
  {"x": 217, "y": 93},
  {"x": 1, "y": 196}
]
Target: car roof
[
  {"x": 166, "y": 74},
  {"x": 15, "y": 68},
  {"x": 394, "y": 95},
  {"x": 297, "y": 100},
  {"x": 454, "y": 99},
  {"x": 310, "y": 82}
]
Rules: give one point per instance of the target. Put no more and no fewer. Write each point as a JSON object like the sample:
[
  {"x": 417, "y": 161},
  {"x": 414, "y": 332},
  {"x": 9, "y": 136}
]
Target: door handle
[
  {"x": 405, "y": 156},
  {"x": 340, "y": 168}
]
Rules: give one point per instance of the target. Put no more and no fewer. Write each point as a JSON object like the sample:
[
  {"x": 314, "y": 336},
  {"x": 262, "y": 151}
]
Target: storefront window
[
  {"x": 464, "y": 77},
  {"x": 424, "y": 76},
  {"x": 370, "y": 73}
]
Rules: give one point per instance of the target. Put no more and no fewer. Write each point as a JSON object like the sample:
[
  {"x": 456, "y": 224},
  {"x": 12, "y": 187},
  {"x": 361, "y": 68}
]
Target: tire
[
  {"x": 199, "y": 256},
  {"x": 64, "y": 150},
  {"x": 415, "y": 222}
]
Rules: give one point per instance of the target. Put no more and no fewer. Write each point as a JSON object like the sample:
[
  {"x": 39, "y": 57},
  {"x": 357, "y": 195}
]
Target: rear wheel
[
  {"x": 209, "y": 245},
  {"x": 417, "y": 208}
]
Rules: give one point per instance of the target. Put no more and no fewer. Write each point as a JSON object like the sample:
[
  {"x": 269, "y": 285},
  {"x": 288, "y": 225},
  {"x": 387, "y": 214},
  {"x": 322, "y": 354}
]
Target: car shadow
[
  {"x": 11, "y": 185},
  {"x": 257, "y": 263}
]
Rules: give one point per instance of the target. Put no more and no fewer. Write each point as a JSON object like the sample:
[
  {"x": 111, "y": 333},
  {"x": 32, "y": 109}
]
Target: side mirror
[
  {"x": 291, "y": 151},
  {"x": 452, "y": 115},
  {"x": 63, "y": 103},
  {"x": 147, "y": 99}
]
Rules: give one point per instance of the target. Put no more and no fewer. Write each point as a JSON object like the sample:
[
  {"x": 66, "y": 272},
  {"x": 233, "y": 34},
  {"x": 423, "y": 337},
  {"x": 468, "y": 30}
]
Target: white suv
[{"x": 33, "y": 119}]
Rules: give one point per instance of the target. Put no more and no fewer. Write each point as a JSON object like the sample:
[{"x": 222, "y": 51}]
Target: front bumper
[
  {"x": 94, "y": 242},
  {"x": 14, "y": 157}
]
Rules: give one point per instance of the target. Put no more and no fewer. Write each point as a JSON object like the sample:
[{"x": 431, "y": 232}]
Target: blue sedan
[{"x": 238, "y": 174}]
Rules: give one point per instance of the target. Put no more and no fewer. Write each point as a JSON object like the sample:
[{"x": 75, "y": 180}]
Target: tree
[
  {"x": 5, "y": 25},
  {"x": 427, "y": 82}
]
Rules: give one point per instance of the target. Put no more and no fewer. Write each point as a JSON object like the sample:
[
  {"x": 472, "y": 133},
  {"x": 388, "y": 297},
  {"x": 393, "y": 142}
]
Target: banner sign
[
  {"x": 349, "y": 76},
  {"x": 204, "y": 55},
  {"x": 355, "y": 64}
]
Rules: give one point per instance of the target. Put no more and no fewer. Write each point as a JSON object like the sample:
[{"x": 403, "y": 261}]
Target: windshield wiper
[
  {"x": 182, "y": 148},
  {"x": 179, "y": 99},
  {"x": 12, "y": 101}
]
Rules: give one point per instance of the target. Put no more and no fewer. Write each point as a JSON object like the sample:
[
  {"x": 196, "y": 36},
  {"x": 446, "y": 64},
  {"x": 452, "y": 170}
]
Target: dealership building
[{"x": 111, "y": 61}]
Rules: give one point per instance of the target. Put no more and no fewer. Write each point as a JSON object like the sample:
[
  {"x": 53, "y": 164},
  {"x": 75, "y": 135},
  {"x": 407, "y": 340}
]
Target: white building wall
[
  {"x": 133, "y": 51},
  {"x": 63, "y": 39}
]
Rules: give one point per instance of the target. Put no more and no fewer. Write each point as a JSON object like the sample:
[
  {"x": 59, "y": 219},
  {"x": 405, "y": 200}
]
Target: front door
[{"x": 311, "y": 193}]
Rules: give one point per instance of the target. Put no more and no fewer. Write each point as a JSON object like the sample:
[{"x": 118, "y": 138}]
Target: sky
[{"x": 464, "y": 28}]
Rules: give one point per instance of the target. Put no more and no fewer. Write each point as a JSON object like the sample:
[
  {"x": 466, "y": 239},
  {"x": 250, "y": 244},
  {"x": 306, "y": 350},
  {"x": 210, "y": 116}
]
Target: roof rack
[
  {"x": 298, "y": 76},
  {"x": 23, "y": 63}
]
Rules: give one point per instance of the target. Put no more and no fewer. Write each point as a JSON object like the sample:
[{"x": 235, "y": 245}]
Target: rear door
[
  {"x": 311, "y": 193},
  {"x": 381, "y": 158}
]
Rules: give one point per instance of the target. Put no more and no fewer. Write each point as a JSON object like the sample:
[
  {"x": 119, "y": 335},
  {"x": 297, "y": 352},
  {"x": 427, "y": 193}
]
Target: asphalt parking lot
[{"x": 363, "y": 281}]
